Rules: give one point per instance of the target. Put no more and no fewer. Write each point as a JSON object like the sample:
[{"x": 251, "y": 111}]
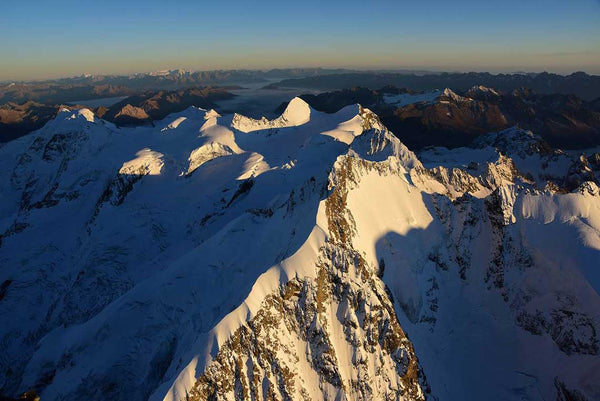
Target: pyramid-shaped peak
[
  {"x": 448, "y": 92},
  {"x": 297, "y": 111}
]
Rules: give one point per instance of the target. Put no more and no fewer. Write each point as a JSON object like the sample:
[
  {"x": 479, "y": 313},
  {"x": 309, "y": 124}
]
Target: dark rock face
[
  {"x": 578, "y": 173},
  {"x": 260, "y": 360},
  {"x": 563, "y": 120},
  {"x": 449, "y": 124}
]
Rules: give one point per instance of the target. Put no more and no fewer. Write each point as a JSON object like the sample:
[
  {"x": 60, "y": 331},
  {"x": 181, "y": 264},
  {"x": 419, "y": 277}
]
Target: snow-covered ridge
[
  {"x": 296, "y": 113},
  {"x": 66, "y": 117},
  {"x": 227, "y": 257}
]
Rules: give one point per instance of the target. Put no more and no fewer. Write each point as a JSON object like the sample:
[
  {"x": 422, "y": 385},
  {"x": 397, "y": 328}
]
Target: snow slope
[{"x": 312, "y": 256}]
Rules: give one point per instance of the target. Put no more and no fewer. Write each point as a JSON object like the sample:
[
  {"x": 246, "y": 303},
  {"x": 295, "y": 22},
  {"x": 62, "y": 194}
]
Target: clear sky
[{"x": 43, "y": 39}]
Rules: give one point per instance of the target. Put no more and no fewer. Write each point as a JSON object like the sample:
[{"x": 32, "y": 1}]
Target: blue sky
[{"x": 41, "y": 39}]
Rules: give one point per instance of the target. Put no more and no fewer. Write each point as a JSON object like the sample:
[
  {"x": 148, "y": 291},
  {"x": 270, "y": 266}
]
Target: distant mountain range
[
  {"x": 580, "y": 84},
  {"x": 564, "y": 110},
  {"x": 445, "y": 118},
  {"x": 17, "y": 119},
  {"x": 95, "y": 86}
]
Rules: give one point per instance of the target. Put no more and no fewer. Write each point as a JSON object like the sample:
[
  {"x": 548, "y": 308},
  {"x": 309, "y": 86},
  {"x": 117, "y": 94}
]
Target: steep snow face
[
  {"x": 487, "y": 279},
  {"x": 312, "y": 256}
]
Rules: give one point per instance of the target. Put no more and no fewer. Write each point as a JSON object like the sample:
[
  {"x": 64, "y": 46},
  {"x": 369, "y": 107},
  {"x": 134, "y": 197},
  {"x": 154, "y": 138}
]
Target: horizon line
[{"x": 400, "y": 70}]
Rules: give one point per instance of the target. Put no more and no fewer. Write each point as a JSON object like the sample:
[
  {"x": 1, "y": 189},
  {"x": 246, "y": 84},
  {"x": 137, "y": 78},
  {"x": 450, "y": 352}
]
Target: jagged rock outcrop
[{"x": 305, "y": 329}]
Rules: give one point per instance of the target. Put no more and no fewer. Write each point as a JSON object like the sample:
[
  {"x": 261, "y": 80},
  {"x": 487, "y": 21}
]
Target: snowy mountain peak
[
  {"x": 72, "y": 121},
  {"x": 79, "y": 114},
  {"x": 225, "y": 257},
  {"x": 297, "y": 112}
]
